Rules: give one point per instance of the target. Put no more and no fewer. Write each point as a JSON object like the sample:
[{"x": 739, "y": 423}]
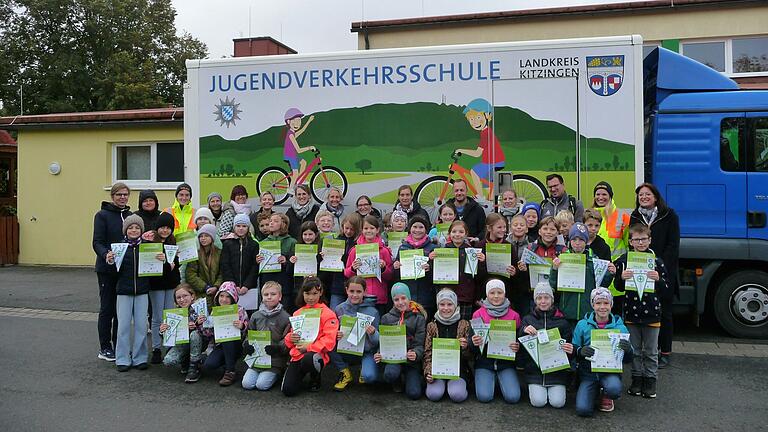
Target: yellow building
[
  {"x": 67, "y": 163},
  {"x": 729, "y": 35}
]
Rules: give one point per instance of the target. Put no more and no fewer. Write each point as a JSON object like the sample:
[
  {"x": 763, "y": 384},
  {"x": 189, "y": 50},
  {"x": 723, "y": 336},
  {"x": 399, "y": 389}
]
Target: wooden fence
[{"x": 9, "y": 240}]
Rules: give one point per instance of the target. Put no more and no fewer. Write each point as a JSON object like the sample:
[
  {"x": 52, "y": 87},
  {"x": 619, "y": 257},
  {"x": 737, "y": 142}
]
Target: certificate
[
  {"x": 538, "y": 273},
  {"x": 443, "y": 228},
  {"x": 446, "y": 266},
  {"x": 311, "y": 325},
  {"x": 498, "y": 256},
  {"x": 258, "y": 340},
  {"x": 187, "y": 243},
  {"x": 529, "y": 257},
  {"x": 608, "y": 357},
  {"x": 640, "y": 263},
  {"x": 368, "y": 254},
  {"x": 395, "y": 240},
  {"x": 344, "y": 346},
  {"x": 552, "y": 358},
  {"x": 149, "y": 265},
  {"x": 119, "y": 250},
  {"x": 178, "y": 327},
  {"x": 333, "y": 251},
  {"x": 270, "y": 251},
  {"x": 471, "y": 262},
  {"x": 392, "y": 343},
  {"x": 306, "y": 260},
  {"x": 446, "y": 354},
  {"x": 572, "y": 274},
  {"x": 409, "y": 268},
  {"x": 223, "y": 329},
  {"x": 500, "y": 335}
]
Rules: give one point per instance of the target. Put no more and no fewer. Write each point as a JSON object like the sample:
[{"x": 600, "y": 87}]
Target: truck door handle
[{"x": 755, "y": 219}]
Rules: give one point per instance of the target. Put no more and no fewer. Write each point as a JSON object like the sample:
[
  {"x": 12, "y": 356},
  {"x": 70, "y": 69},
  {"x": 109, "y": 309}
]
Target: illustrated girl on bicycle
[
  {"x": 479, "y": 113},
  {"x": 291, "y": 148}
]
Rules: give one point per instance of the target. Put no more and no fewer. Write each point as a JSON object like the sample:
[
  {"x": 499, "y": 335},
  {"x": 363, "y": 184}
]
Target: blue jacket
[
  {"x": 368, "y": 307},
  {"x": 582, "y": 336}
]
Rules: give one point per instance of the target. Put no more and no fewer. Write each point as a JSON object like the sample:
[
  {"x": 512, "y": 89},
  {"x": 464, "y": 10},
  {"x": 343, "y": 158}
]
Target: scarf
[
  {"x": 496, "y": 311},
  {"x": 336, "y": 212},
  {"x": 241, "y": 208},
  {"x": 509, "y": 212},
  {"x": 270, "y": 312},
  {"x": 451, "y": 319},
  {"x": 301, "y": 210},
  {"x": 133, "y": 242},
  {"x": 403, "y": 209},
  {"x": 412, "y": 307},
  {"x": 417, "y": 244},
  {"x": 649, "y": 215},
  {"x": 216, "y": 214}
]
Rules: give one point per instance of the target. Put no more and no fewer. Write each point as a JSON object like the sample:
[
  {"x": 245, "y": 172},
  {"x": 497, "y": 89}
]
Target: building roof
[
  {"x": 6, "y": 138},
  {"x": 628, "y": 7},
  {"x": 79, "y": 119},
  {"x": 268, "y": 39}
]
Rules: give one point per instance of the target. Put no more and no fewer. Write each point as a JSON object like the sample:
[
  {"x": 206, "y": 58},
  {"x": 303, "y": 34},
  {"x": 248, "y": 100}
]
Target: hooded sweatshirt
[
  {"x": 107, "y": 229},
  {"x": 368, "y": 307},
  {"x": 582, "y": 336},
  {"x": 279, "y": 326},
  {"x": 149, "y": 217},
  {"x": 415, "y": 321},
  {"x": 374, "y": 286},
  {"x": 241, "y": 314}
]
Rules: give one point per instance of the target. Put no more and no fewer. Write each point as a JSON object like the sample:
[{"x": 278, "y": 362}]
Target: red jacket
[
  {"x": 372, "y": 285},
  {"x": 326, "y": 337}
]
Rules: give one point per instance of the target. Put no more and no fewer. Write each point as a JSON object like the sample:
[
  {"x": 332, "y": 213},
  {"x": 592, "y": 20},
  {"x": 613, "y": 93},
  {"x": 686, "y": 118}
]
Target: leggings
[{"x": 312, "y": 363}]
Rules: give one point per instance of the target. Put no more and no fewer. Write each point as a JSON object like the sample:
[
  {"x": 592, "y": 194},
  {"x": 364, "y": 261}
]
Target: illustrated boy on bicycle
[
  {"x": 479, "y": 113},
  {"x": 291, "y": 148}
]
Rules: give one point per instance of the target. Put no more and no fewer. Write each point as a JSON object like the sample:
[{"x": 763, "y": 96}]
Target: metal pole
[{"x": 578, "y": 143}]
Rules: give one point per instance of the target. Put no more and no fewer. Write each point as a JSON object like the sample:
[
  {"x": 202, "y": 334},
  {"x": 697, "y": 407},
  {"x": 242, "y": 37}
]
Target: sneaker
[
  {"x": 142, "y": 366},
  {"x": 664, "y": 361},
  {"x": 157, "y": 356},
  {"x": 228, "y": 379},
  {"x": 184, "y": 366},
  {"x": 193, "y": 374},
  {"x": 649, "y": 388},
  {"x": 635, "y": 389},
  {"x": 107, "y": 354},
  {"x": 345, "y": 378},
  {"x": 606, "y": 404},
  {"x": 360, "y": 379},
  {"x": 123, "y": 368},
  {"x": 314, "y": 386}
]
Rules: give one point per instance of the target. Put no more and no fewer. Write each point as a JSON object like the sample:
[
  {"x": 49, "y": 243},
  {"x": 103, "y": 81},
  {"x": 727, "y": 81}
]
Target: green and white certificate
[
  {"x": 178, "y": 328},
  {"x": 344, "y": 346},
  {"x": 149, "y": 265},
  {"x": 572, "y": 274},
  {"x": 223, "y": 329},
  {"x": 500, "y": 334},
  {"x": 187, "y": 243},
  {"x": 270, "y": 251},
  {"x": 446, "y": 358},
  {"x": 395, "y": 240},
  {"x": 551, "y": 356},
  {"x": 608, "y": 357},
  {"x": 368, "y": 254},
  {"x": 408, "y": 264},
  {"x": 539, "y": 273},
  {"x": 498, "y": 256},
  {"x": 306, "y": 260},
  {"x": 446, "y": 266},
  {"x": 333, "y": 251},
  {"x": 640, "y": 263},
  {"x": 392, "y": 343},
  {"x": 258, "y": 340}
]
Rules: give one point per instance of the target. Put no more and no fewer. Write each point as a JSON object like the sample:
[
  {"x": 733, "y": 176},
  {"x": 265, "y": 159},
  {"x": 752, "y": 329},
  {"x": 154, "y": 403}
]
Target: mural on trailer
[{"x": 369, "y": 124}]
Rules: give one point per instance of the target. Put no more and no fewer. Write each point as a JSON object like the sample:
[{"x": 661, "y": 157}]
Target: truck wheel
[{"x": 741, "y": 304}]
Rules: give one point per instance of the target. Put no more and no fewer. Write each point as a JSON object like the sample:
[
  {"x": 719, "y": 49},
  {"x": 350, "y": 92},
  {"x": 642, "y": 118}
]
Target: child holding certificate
[
  {"x": 592, "y": 381},
  {"x": 488, "y": 370},
  {"x": 377, "y": 284},
  {"x": 411, "y": 315},
  {"x": 226, "y": 353},
  {"x": 132, "y": 299},
  {"x": 309, "y": 235},
  {"x": 549, "y": 387},
  {"x": 447, "y": 325},
  {"x": 309, "y": 358},
  {"x": 417, "y": 243},
  {"x": 187, "y": 355},
  {"x": 642, "y": 286},
  {"x": 238, "y": 256},
  {"x": 161, "y": 287},
  {"x": 359, "y": 307},
  {"x": 520, "y": 294},
  {"x": 204, "y": 275},
  {"x": 351, "y": 225},
  {"x": 273, "y": 318},
  {"x": 532, "y": 213},
  {"x": 445, "y": 216},
  {"x": 575, "y": 304},
  {"x": 286, "y": 245},
  {"x": 497, "y": 252}
]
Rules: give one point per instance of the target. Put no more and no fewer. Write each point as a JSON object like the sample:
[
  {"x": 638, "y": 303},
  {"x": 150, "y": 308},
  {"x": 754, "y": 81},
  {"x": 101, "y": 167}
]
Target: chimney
[{"x": 260, "y": 46}]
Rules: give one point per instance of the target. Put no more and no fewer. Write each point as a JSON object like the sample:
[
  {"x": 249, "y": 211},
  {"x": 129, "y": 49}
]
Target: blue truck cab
[{"x": 706, "y": 149}]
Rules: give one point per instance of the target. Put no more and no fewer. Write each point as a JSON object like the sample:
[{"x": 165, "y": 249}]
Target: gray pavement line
[{"x": 48, "y": 314}]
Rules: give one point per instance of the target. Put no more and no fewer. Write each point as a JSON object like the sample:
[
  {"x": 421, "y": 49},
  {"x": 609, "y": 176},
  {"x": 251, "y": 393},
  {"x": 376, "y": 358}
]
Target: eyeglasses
[
  {"x": 640, "y": 240},
  {"x": 122, "y": 194}
]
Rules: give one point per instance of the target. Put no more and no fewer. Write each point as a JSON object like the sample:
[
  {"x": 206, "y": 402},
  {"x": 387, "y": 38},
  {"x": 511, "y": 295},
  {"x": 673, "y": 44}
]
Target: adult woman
[
  {"x": 365, "y": 207},
  {"x": 614, "y": 228},
  {"x": 149, "y": 208},
  {"x": 267, "y": 201},
  {"x": 238, "y": 204},
  {"x": 302, "y": 210},
  {"x": 214, "y": 205},
  {"x": 406, "y": 203},
  {"x": 182, "y": 210},
  {"x": 652, "y": 210},
  {"x": 333, "y": 204},
  {"x": 108, "y": 229}
]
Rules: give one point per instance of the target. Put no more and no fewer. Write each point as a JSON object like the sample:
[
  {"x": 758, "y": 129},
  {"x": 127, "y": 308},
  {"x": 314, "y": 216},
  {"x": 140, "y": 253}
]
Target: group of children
[{"x": 426, "y": 309}]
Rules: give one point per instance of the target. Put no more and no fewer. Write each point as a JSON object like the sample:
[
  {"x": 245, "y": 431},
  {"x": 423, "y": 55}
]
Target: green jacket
[
  {"x": 576, "y": 305},
  {"x": 200, "y": 277}
]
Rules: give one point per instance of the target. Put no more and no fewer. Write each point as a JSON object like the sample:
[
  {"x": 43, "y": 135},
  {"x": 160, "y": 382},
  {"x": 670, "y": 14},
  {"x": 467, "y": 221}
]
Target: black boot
[
  {"x": 664, "y": 361},
  {"x": 184, "y": 366},
  {"x": 636, "y": 388},
  {"x": 157, "y": 356},
  {"x": 194, "y": 372},
  {"x": 649, "y": 388}
]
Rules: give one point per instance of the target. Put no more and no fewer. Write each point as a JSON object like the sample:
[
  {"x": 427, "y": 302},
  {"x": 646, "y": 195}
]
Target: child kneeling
[
  {"x": 186, "y": 355},
  {"x": 273, "y": 318},
  {"x": 447, "y": 324}
]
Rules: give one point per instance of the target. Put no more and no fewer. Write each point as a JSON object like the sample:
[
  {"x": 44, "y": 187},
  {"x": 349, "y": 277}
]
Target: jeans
[
  {"x": 261, "y": 379},
  {"x": 107, "y": 324},
  {"x": 191, "y": 351},
  {"x": 485, "y": 384},
  {"x": 336, "y": 300},
  {"x": 540, "y": 395},
  {"x": 457, "y": 389},
  {"x": 369, "y": 370},
  {"x": 590, "y": 385},
  {"x": 311, "y": 363},
  {"x": 412, "y": 375},
  {"x": 160, "y": 299},
  {"x": 224, "y": 354},
  {"x": 645, "y": 341},
  {"x": 132, "y": 324}
]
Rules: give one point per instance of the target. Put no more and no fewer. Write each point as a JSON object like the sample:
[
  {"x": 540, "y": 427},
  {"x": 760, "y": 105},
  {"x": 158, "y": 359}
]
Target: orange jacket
[{"x": 326, "y": 337}]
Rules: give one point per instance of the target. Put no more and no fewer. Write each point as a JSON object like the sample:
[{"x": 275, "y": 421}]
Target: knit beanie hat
[
  {"x": 532, "y": 206},
  {"x": 494, "y": 284},
  {"x": 400, "y": 288},
  {"x": 447, "y": 294},
  {"x": 241, "y": 219},
  {"x": 417, "y": 219},
  {"x": 399, "y": 214},
  {"x": 605, "y": 186},
  {"x": 543, "y": 288},
  {"x": 579, "y": 230},
  {"x": 183, "y": 186},
  {"x": 165, "y": 220},
  {"x": 213, "y": 195},
  {"x": 600, "y": 293},
  {"x": 131, "y": 220},
  {"x": 207, "y": 229},
  {"x": 203, "y": 212}
]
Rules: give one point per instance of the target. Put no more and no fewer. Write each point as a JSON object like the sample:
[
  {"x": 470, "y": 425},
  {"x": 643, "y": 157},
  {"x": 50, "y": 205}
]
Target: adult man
[
  {"x": 560, "y": 200},
  {"x": 468, "y": 210},
  {"x": 182, "y": 210}
]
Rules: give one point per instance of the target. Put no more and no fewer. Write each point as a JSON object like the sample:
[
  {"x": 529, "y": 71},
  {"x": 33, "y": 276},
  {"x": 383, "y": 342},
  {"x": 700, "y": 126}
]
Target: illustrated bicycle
[
  {"x": 277, "y": 180},
  {"x": 436, "y": 190}
]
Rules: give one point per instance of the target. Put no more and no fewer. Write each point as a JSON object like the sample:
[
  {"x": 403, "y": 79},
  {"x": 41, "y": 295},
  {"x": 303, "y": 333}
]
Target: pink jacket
[
  {"x": 482, "y": 313},
  {"x": 373, "y": 286}
]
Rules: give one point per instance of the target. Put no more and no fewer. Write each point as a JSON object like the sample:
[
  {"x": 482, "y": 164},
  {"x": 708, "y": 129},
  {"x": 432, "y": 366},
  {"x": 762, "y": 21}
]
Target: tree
[
  {"x": 363, "y": 165},
  {"x": 89, "y": 55},
  {"x": 616, "y": 162}
]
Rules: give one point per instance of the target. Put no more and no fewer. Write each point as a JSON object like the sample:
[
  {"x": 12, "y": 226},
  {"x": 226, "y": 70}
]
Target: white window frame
[
  {"x": 728, "y": 54},
  {"x": 152, "y": 182}
]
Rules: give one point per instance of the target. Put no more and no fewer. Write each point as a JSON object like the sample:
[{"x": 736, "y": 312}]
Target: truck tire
[{"x": 741, "y": 304}]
